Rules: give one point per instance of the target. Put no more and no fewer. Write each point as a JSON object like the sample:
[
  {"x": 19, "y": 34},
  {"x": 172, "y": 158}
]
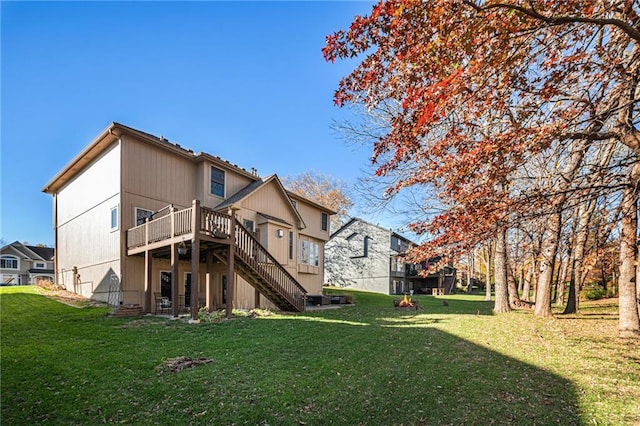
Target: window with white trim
[
  {"x": 114, "y": 218},
  {"x": 39, "y": 265},
  {"x": 249, "y": 225},
  {"x": 325, "y": 221},
  {"x": 217, "y": 182},
  {"x": 9, "y": 262},
  {"x": 142, "y": 215},
  {"x": 309, "y": 252}
]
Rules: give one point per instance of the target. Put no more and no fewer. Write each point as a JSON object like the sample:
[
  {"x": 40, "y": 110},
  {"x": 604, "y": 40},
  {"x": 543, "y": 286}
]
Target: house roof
[
  {"x": 297, "y": 196},
  {"x": 30, "y": 252},
  {"x": 274, "y": 219},
  {"x": 46, "y": 253},
  {"x": 356, "y": 219},
  {"x": 109, "y": 135},
  {"x": 252, "y": 188},
  {"x": 115, "y": 130}
]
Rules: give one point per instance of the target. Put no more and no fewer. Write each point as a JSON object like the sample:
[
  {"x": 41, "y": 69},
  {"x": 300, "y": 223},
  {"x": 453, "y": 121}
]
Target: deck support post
[
  {"x": 175, "y": 297},
  {"x": 209, "y": 281},
  {"x": 195, "y": 260},
  {"x": 147, "y": 281},
  {"x": 230, "y": 263}
]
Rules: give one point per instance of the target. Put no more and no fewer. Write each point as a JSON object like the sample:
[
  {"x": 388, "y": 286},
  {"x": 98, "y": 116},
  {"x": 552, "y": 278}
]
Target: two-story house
[
  {"x": 369, "y": 257},
  {"x": 22, "y": 264},
  {"x": 141, "y": 220}
]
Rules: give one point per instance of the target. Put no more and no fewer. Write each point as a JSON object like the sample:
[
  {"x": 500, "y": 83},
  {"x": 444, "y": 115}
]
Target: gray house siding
[{"x": 359, "y": 255}]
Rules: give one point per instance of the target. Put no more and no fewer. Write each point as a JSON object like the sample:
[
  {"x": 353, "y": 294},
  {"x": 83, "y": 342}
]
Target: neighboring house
[
  {"x": 136, "y": 215},
  {"x": 21, "y": 264},
  {"x": 365, "y": 256}
]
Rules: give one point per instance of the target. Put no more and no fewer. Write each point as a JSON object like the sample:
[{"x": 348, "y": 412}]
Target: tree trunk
[
  {"x": 502, "y": 292},
  {"x": 526, "y": 287},
  {"x": 487, "y": 290},
  {"x": 629, "y": 322},
  {"x": 471, "y": 273},
  {"x": 561, "y": 284},
  {"x": 514, "y": 298},
  {"x": 585, "y": 212},
  {"x": 549, "y": 252}
]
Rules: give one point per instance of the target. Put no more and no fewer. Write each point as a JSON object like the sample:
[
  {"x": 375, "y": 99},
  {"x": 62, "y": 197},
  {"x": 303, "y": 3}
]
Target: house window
[
  {"x": 114, "y": 218},
  {"x": 395, "y": 243},
  {"x": 40, "y": 265},
  {"x": 325, "y": 221},
  {"x": 290, "y": 245},
  {"x": 217, "y": 182},
  {"x": 309, "y": 253},
  {"x": 314, "y": 254},
  {"x": 304, "y": 251},
  {"x": 8, "y": 262},
  {"x": 249, "y": 225},
  {"x": 142, "y": 215}
]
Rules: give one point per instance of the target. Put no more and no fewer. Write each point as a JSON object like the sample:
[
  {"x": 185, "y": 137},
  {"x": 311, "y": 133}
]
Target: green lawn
[{"x": 369, "y": 364}]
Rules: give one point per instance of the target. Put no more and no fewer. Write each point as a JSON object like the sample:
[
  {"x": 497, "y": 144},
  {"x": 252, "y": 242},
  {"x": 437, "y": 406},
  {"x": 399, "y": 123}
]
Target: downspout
[
  {"x": 55, "y": 237},
  {"x": 117, "y": 133}
]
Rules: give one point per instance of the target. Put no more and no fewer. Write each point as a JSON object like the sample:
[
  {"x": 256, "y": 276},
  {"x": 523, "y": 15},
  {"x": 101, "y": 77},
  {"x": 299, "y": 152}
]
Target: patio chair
[{"x": 163, "y": 304}]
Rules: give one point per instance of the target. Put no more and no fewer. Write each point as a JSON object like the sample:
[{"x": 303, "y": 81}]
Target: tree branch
[{"x": 558, "y": 20}]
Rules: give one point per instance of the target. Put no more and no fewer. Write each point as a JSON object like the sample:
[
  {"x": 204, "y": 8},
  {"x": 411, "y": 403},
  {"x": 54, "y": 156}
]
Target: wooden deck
[
  {"x": 207, "y": 229},
  {"x": 178, "y": 226}
]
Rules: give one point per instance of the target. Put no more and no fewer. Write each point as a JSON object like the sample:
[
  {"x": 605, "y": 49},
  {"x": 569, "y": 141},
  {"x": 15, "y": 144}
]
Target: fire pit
[{"x": 406, "y": 303}]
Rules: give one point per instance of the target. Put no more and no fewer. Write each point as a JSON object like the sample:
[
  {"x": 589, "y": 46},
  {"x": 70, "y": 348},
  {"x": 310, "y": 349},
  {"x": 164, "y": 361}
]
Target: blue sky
[{"x": 242, "y": 80}]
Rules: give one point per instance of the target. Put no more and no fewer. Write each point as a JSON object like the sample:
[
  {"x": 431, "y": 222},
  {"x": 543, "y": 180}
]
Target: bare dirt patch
[
  {"x": 58, "y": 293},
  {"x": 174, "y": 365}
]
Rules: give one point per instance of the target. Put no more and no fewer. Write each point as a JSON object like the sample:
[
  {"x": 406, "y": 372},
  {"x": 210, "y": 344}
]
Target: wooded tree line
[{"x": 520, "y": 121}]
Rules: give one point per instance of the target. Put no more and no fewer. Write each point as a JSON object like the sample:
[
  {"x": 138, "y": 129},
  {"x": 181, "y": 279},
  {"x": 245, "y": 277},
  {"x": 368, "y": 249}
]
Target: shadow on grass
[{"x": 357, "y": 365}]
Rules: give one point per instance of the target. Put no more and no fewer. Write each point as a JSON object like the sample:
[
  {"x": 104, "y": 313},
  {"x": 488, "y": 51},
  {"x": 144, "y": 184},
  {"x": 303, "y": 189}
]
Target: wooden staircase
[{"x": 260, "y": 269}]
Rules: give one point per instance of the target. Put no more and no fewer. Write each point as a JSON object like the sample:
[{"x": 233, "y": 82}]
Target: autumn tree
[
  {"x": 484, "y": 87},
  {"x": 325, "y": 190}
]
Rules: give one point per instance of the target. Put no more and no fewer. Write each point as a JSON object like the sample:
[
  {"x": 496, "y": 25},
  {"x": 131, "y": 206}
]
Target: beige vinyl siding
[
  {"x": 312, "y": 217},
  {"x": 91, "y": 187},
  {"x": 311, "y": 282},
  {"x": 156, "y": 174},
  {"x": 278, "y": 247},
  {"x": 270, "y": 200},
  {"x": 85, "y": 238},
  {"x": 233, "y": 182}
]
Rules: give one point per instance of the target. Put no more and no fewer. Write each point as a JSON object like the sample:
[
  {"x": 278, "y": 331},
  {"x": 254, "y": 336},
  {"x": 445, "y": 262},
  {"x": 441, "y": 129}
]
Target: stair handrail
[{"x": 288, "y": 289}]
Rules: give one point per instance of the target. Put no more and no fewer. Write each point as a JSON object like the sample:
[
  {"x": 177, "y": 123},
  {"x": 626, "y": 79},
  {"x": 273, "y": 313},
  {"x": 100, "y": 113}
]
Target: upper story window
[
  {"x": 395, "y": 243},
  {"x": 39, "y": 265},
  {"x": 249, "y": 225},
  {"x": 217, "y": 182},
  {"x": 290, "y": 245},
  {"x": 9, "y": 262},
  {"x": 309, "y": 252},
  {"x": 325, "y": 222},
  {"x": 114, "y": 218},
  {"x": 142, "y": 215}
]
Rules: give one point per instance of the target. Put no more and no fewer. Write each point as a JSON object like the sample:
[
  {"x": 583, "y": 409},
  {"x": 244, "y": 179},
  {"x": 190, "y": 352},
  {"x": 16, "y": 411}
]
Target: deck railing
[
  {"x": 260, "y": 260},
  {"x": 177, "y": 223},
  {"x": 218, "y": 225}
]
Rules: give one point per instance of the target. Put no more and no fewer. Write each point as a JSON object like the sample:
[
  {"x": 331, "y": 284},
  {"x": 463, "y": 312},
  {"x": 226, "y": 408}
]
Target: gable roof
[
  {"x": 297, "y": 196},
  {"x": 255, "y": 186},
  {"x": 30, "y": 252},
  {"x": 111, "y": 134},
  {"x": 356, "y": 219},
  {"x": 46, "y": 253}
]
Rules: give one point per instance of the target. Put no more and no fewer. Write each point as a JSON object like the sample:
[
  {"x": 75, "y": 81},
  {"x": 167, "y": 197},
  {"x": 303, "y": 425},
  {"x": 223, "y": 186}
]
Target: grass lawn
[{"x": 368, "y": 364}]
